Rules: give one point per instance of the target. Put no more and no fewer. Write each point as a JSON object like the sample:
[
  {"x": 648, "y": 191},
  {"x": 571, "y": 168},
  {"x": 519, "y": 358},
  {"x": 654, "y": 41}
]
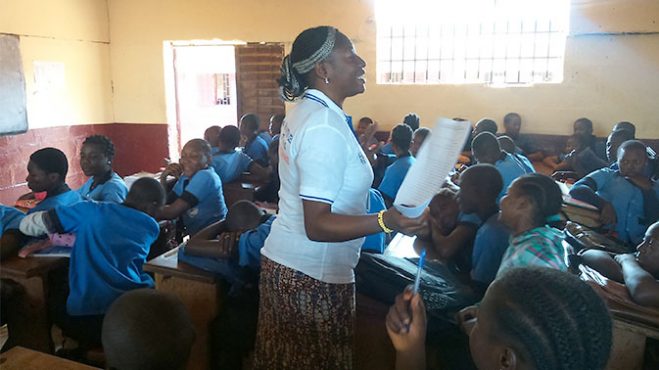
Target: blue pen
[{"x": 417, "y": 281}]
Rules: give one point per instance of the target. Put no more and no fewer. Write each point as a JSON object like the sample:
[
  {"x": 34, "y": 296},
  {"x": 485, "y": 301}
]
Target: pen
[{"x": 417, "y": 281}]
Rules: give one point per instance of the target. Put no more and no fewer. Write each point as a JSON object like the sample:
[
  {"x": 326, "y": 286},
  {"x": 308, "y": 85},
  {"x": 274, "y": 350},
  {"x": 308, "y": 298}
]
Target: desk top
[
  {"x": 23, "y": 268},
  {"x": 19, "y": 358},
  {"x": 167, "y": 264}
]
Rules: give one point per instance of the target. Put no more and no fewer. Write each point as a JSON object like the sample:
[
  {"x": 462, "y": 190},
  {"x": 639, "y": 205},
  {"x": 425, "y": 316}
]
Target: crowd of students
[{"x": 496, "y": 222}]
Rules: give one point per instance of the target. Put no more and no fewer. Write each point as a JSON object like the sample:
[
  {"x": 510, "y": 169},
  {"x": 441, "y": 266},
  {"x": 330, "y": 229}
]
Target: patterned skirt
[{"x": 303, "y": 323}]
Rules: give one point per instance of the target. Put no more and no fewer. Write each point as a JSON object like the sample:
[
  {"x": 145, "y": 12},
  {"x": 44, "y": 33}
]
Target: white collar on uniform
[{"x": 319, "y": 97}]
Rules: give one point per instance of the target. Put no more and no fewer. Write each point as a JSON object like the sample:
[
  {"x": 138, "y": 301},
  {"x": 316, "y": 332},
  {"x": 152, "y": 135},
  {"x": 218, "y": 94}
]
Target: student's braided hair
[
  {"x": 102, "y": 141},
  {"x": 544, "y": 193},
  {"x": 557, "y": 319},
  {"x": 311, "y": 46}
]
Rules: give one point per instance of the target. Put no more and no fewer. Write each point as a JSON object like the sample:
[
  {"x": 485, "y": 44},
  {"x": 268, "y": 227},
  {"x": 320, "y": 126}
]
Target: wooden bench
[{"x": 19, "y": 358}]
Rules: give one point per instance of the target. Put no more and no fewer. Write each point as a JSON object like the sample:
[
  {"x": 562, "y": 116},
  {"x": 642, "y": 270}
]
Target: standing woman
[
  {"x": 307, "y": 291},
  {"x": 104, "y": 185}
]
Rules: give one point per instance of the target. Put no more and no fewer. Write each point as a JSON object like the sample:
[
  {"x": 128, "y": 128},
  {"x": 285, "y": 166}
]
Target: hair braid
[{"x": 102, "y": 141}]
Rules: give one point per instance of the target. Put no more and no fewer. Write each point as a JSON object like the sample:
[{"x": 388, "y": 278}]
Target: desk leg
[
  {"x": 28, "y": 321},
  {"x": 201, "y": 300},
  {"x": 628, "y": 348}
]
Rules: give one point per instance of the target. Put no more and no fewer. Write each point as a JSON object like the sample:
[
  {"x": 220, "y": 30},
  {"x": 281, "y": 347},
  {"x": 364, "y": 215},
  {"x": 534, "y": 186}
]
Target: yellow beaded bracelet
[{"x": 381, "y": 223}]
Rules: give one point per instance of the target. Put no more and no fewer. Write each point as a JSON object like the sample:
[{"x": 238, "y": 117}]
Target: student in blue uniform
[
  {"x": 10, "y": 236},
  {"x": 255, "y": 147},
  {"x": 212, "y": 135},
  {"x": 47, "y": 171},
  {"x": 104, "y": 185},
  {"x": 228, "y": 163},
  {"x": 512, "y": 124},
  {"x": 485, "y": 148},
  {"x": 508, "y": 145},
  {"x": 418, "y": 138},
  {"x": 401, "y": 139},
  {"x": 275, "y": 125},
  {"x": 111, "y": 246},
  {"x": 627, "y": 198},
  {"x": 269, "y": 192},
  {"x": 264, "y": 131},
  {"x": 197, "y": 194}
]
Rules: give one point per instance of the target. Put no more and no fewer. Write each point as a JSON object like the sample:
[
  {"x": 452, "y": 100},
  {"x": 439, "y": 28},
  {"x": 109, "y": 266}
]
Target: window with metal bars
[{"x": 493, "y": 42}]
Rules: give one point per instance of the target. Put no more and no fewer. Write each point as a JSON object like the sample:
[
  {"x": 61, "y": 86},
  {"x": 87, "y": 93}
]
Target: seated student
[
  {"x": 228, "y": 163},
  {"x": 269, "y": 192},
  {"x": 147, "y": 329},
  {"x": 638, "y": 271},
  {"x": 613, "y": 142},
  {"x": 111, "y": 246},
  {"x": 264, "y": 131},
  {"x": 197, "y": 194},
  {"x": 628, "y": 199},
  {"x": 485, "y": 125},
  {"x": 362, "y": 131},
  {"x": 413, "y": 121},
  {"x": 275, "y": 125},
  {"x": 530, "y": 318},
  {"x": 628, "y": 126},
  {"x": 526, "y": 210},
  {"x": 512, "y": 123},
  {"x": 508, "y": 146},
  {"x": 584, "y": 127},
  {"x": 401, "y": 138},
  {"x": 255, "y": 147},
  {"x": 486, "y": 149},
  {"x": 212, "y": 135},
  {"x": 10, "y": 236},
  {"x": 652, "y": 167},
  {"x": 418, "y": 138},
  {"x": 104, "y": 185},
  {"x": 563, "y": 160},
  {"x": 479, "y": 187}
]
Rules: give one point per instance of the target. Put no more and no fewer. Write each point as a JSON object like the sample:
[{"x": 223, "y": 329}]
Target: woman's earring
[{"x": 326, "y": 80}]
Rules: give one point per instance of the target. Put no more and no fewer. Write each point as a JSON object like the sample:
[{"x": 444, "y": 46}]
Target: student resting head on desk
[
  {"x": 47, "y": 171},
  {"x": 229, "y": 163},
  {"x": 104, "y": 185},
  {"x": 255, "y": 146}
]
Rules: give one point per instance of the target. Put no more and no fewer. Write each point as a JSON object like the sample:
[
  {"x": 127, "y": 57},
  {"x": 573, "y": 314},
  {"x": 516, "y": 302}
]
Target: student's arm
[
  {"x": 262, "y": 173},
  {"x": 205, "y": 243},
  {"x": 177, "y": 208},
  {"x": 173, "y": 169},
  {"x": 642, "y": 286},
  {"x": 535, "y": 156},
  {"x": 10, "y": 243},
  {"x": 584, "y": 190},
  {"x": 650, "y": 199},
  {"x": 603, "y": 263},
  {"x": 446, "y": 247},
  {"x": 406, "y": 326}
]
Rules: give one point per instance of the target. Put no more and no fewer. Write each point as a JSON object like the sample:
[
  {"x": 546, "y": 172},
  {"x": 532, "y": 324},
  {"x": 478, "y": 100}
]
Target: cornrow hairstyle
[
  {"x": 557, "y": 319},
  {"x": 104, "y": 142},
  {"x": 311, "y": 46},
  {"x": 401, "y": 135},
  {"x": 544, "y": 193},
  {"x": 413, "y": 120}
]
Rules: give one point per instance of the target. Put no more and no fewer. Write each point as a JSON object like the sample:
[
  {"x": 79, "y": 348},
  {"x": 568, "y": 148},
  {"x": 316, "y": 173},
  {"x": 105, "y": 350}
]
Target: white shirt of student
[{"x": 319, "y": 160}]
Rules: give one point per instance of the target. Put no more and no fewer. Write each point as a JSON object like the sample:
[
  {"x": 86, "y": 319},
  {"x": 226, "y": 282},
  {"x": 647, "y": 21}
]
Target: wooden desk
[
  {"x": 199, "y": 292},
  {"x": 28, "y": 321},
  {"x": 19, "y": 358}
]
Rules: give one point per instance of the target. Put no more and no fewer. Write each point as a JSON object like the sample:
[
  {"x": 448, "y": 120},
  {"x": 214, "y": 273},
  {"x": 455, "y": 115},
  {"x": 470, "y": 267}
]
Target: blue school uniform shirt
[
  {"x": 206, "y": 188},
  {"x": 265, "y": 135},
  {"x": 394, "y": 176},
  {"x": 257, "y": 149},
  {"x": 229, "y": 166},
  {"x": 112, "y": 243},
  {"x": 114, "y": 190},
  {"x": 510, "y": 169},
  {"x": 251, "y": 242},
  {"x": 10, "y": 218},
  {"x": 525, "y": 162},
  {"x": 66, "y": 198},
  {"x": 387, "y": 149},
  {"x": 491, "y": 241},
  {"x": 375, "y": 242}
]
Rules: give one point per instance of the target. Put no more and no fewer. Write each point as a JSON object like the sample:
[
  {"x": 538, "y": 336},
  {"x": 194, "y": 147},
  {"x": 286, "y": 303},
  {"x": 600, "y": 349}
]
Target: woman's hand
[
  {"x": 408, "y": 226},
  {"x": 608, "y": 214},
  {"x": 406, "y": 322}
]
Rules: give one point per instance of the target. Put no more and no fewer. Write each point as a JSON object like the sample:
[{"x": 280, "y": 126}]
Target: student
[
  {"x": 508, "y": 146},
  {"x": 10, "y": 236},
  {"x": 197, "y": 194},
  {"x": 418, "y": 138},
  {"x": 264, "y": 131},
  {"x": 255, "y": 147},
  {"x": 485, "y": 149},
  {"x": 526, "y": 210},
  {"x": 530, "y": 318},
  {"x": 275, "y": 125},
  {"x": 613, "y": 142},
  {"x": 147, "y": 329},
  {"x": 269, "y": 192},
  {"x": 563, "y": 161},
  {"x": 512, "y": 123},
  {"x": 638, "y": 271},
  {"x": 401, "y": 138},
  {"x": 111, "y": 246},
  {"x": 653, "y": 163},
  {"x": 584, "y": 127},
  {"x": 362, "y": 131},
  {"x": 104, "y": 185},
  {"x": 627, "y": 198},
  {"x": 228, "y": 163},
  {"x": 212, "y": 135},
  {"x": 413, "y": 120},
  {"x": 485, "y": 125},
  {"x": 479, "y": 187}
]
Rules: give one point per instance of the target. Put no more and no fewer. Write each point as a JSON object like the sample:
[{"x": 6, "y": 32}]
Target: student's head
[
  {"x": 275, "y": 124},
  {"x": 485, "y": 148},
  {"x": 539, "y": 318},
  {"x": 583, "y": 127},
  {"x": 507, "y": 144},
  {"x": 632, "y": 157},
  {"x": 325, "y": 59},
  {"x": 512, "y": 123},
  {"x": 485, "y": 125},
  {"x": 96, "y": 155},
  {"x": 444, "y": 210},
  {"x": 46, "y": 169},
  {"x": 212, "y": 135},
  {"x": 147, "y": 195},
  {"x": 412, "y": 120},
  {"x": 195, "y": 156},
  {"x": 531, "y": 198},
  {"x": 243, "y": 215},
  {"x": 363, "y": 124},
  {"x": 624, "y": 125},
  {"x": 480, "y": 186},
  {"x": 648, "y": 250},
  {"x": 146, "y": 329},
  {"x": 229, "y": 137},
  {"x": 401, "y": 138},
  {"x": 418, "y": 138},
  {"x": 249, "y": 125},
  {"x": 273, "y": 152},
  {"x": 613, "y": 142}
]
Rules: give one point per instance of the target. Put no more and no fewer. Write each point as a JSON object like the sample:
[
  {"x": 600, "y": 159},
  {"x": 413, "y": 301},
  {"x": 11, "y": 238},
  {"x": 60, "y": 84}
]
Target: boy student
[
  {"x": 627, "y": 198},
  {"x": 197, "y": 194},
  {"x": 111, "y": 246},
  {"x": 485, "y": 148},
  {"x": 508, "y": 146},
  {"x": 255, "y": 147},
  {"x": 362, "y": 131},
  {"x": 147, "y": 329},
  {"x": 228, "y": 163},
  {"x": 275, "y": 125},
  {"x": 485, "y": 125},
  {"x": 212, "y": 135},
  {"x": 401, "y": 138},
  {"x": 413, "y": 121},
  {"x": 512, "y": 123},
  {"x": 104, "y": 185},
  {"x": 418, "y": 138},
  {"x": 584, "y": 127},
  {"x": 264, "y": 131}
]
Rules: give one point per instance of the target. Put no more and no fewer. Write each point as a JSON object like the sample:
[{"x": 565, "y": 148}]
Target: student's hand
[
  {"x": 467, "y": 317},
  {"x": 172, "y": 169},
  {"x": 608, "y": 214},
  {"x": 408, "y": 226},
  {"x": 641, "y": 181},
  {"x": 406, "y": 322},
  {"x": 623, "y": 258},
  {"x": 227, "y": 244}
]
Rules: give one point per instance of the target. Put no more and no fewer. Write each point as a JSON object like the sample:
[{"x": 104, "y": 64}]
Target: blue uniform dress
[
  {"x": 375, "y": 242},
  {"x": 525, "y": 162},
  {"x": 510, "y": 169},
  {"x": 204, "y": 193},
  {"x": 114, "y": 190},
  {"x": 387, "y": 149},
  {"x": 491, "y": 241},
  {"x": 257, "y": 149},
  {"x": 66, "y": 198},
  {"x": 394, "y": 176},
  {"x": 635, "y": 209},
  {"x": 112, "y": 243},
  {"x": 251, "y": 242},
  {"x": 10, "y": 218},
  {"x": 265, "y": 135},
  {"x": 230, "y": 165}
]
